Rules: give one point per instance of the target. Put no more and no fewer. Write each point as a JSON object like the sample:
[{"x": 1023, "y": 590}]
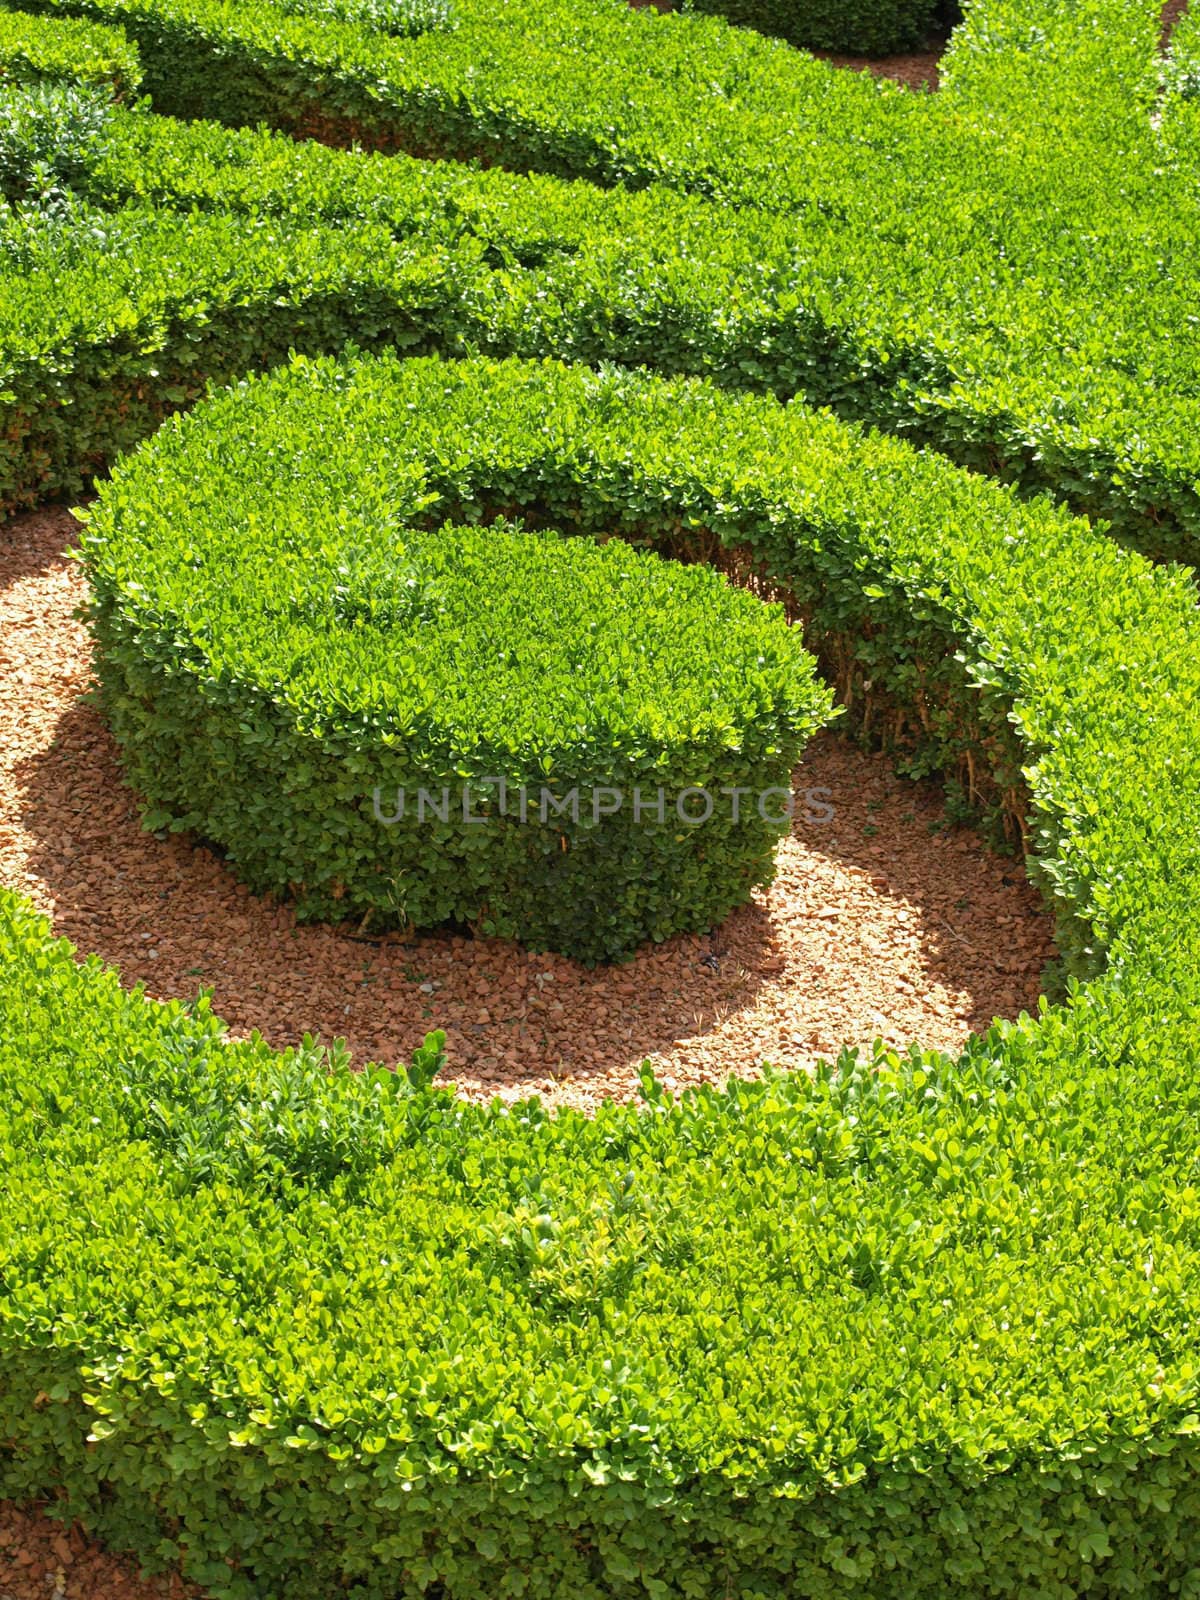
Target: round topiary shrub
[{"x": 575, "y": 743}]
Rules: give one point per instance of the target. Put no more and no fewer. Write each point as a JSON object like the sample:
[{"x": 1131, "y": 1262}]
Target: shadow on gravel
[{"x": 881, "y": 920}]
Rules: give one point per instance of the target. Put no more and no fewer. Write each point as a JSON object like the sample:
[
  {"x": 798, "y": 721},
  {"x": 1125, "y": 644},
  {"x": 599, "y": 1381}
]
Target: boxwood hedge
[
  {"x": 865, "y": 26},
  {"x": 913, "y": 1328},
  {"x": 537, "y": 267},
  {"x": 541, "y": 737},
  {"x": 58, "y": 50},
  {"x": 915, "y": 282},
  {"x": 533, "y": 85}
]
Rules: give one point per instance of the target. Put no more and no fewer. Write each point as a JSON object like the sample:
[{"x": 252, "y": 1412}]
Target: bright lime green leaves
[{"x": 575, "y": 743}]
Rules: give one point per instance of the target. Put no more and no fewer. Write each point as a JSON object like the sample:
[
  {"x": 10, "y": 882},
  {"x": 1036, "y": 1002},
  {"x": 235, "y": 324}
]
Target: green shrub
[
  {"x": 115, "y": 320},
  {"x": 915, "y": 1329},
  {"x": 912, "y": 1328},
  {"x": 399, "y": 18},
  {"x": 40, "y": 49},
  {"x": 542, "y": 267},
  {"x": 507, "y": 729},
  {"x": 46, "y": 133},
  {"x": 913, "y": 261},
  {"x": 266, "y": 52}
]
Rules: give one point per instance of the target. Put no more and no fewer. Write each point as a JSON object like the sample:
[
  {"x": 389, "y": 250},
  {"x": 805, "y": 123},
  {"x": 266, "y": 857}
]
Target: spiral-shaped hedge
[
  {"x": 573, "y": 743},
  {"x": 912, "y": 1330},
  {"x": 916, "y": 1327}
]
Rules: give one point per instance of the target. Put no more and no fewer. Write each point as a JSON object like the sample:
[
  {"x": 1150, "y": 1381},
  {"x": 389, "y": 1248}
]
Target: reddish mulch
[
  {"x": 43, "y": 1559},
  {"x": 876, "y": 925},
  {"x": 917, "y": 70}
]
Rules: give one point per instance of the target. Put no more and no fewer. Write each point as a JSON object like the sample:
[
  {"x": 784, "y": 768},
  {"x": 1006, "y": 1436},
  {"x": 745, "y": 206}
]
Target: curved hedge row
[
  {"x": 541, "y": 737},
  {"x": 62, "y": 51},
  {"x": 914, "y": 1329},
  {"x": 255, "y": 61},
  {"x": 946, "y": 1344},
  {"x": 523, "y": 266},
  {"x": 918, "y": 285}
]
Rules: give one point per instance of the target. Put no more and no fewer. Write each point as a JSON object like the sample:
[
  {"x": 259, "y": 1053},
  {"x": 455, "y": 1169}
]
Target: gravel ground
[
  {"x": 918, "y": 70},
  {"x": 42, "y": 1559},
  {"x": 876, "y": 924}
]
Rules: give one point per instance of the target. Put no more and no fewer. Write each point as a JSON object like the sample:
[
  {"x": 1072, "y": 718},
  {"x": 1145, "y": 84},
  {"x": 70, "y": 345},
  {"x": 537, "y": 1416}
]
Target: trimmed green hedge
[
  {"x": 541, "y": 737},
  {"x": 59, "y": 50},
  {"x": 47, "y": 131},
  {"x": 114, "y": 320},
  {"x": 544, "y": 268},
  {"x": 703, "y": 107},
  {"x": 931, "y": 277},
  {"x": 400, "y": 19},
  {"x": 915, "y": 1329},
  {"x": 912, "y": 1328}
]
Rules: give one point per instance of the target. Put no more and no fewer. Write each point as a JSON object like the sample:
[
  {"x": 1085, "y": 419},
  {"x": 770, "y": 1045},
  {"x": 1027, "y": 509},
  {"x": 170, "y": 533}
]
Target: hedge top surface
[
  {"x": 968, "y": 574},
  {"x": 399, "y": 18},
  {"x": 282, "y": 540},
  {"x": 67, "y": 50}
]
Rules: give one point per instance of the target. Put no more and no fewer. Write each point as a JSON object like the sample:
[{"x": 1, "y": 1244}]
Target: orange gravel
[
  {"x": 917, "y": 70},
  {"x": 882, "y": 922},
  {"x": 42, "y": 1559}
]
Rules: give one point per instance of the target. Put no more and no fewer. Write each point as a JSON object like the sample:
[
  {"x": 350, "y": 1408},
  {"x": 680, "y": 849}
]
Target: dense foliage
[
  {"x": 539, "y": 736},
  {"x": 58, "y": 50},
  {"x": 956, "y": 1325},
  {"x": 956, "y": 274},
  {"x": 917, "y": 1328}
]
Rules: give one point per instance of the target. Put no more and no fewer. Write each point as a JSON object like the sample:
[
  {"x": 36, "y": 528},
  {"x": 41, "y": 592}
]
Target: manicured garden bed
[{"x": 922, "y": 367}]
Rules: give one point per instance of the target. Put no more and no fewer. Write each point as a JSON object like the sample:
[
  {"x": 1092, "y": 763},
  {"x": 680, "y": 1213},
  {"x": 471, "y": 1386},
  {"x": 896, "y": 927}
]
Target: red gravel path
[{"x": 876, "y": 925}]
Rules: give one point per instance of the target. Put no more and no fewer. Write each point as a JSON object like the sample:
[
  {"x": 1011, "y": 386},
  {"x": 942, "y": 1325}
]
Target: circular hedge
[{"x": 575, "y": 743}]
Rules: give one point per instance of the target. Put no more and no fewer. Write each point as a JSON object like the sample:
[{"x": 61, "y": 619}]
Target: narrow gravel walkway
[{"x": 881, "y": 922}]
